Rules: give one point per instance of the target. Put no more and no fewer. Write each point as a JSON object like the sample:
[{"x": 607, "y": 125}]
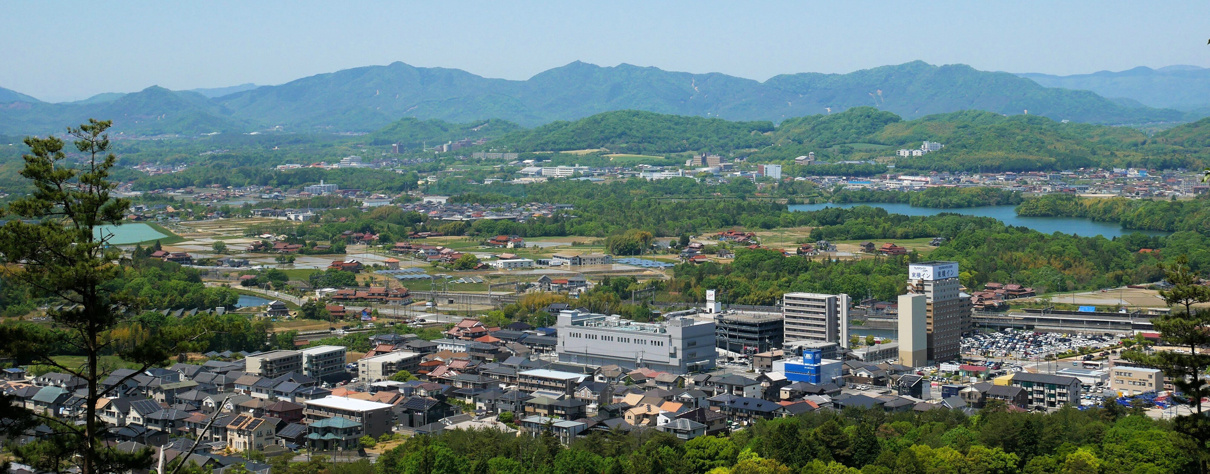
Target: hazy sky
[{"x": 68, "y": 50}]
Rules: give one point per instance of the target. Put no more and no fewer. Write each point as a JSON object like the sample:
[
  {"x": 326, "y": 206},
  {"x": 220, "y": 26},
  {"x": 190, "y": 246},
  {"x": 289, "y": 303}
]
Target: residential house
[
  {"x": 249, "y": 433},
  {"x": 684, "y": 429},
  {"x": 563, "y": 429},
  {"x": 567, "y": 407},
  {"x": 715, "y": 421}
]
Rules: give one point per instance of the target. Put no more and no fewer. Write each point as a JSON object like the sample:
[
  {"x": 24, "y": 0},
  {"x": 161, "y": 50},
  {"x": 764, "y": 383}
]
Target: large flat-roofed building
[
  {"x": 829, "y": 350},
  {"x": 938, "y": 282},
  {"x": 577, "y": 260},
  {"x": 550, "y": 380},
  {"x": 679, "y": 345},
  {"x": 743, "y": 331},
  {"x": 375, "y": 418},
  {"x": 323, "y": 361},
  {"x": 816, "y": 317},
  {"x": 321, "y": 188},
  {"x": 273, "y": 364},
  {"x": 512, "y": 263},
  {"x": 1129, "y": 381},
  {"x": 885, "y": 352},
  {"x": 382, "y": 367}
]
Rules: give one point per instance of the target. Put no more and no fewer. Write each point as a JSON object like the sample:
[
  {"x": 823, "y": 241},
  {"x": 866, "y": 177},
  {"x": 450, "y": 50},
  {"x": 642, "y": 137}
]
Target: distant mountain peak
[{"x": 8, "y": 96}]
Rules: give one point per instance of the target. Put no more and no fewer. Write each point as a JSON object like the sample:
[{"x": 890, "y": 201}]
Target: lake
[
  {"x": 246, "y": 301},
  {"x": 1006, "y": 214},
  {"x": 126, "y": 234}
]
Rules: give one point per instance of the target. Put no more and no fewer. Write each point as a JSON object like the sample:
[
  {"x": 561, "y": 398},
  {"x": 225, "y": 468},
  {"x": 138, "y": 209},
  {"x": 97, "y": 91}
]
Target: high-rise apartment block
[
  {"x": 913, "y": 330},
  {"x": 816, "y": 317},
  {"x": 938, "y": 282}
]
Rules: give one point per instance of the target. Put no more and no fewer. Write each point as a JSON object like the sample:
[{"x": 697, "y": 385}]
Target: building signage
[{"x": 933, "y": 271}]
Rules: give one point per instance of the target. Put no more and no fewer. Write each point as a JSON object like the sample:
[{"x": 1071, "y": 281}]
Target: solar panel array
[
  {"x": 412, "y": 276},
  {"x": 400, "y": 271}
]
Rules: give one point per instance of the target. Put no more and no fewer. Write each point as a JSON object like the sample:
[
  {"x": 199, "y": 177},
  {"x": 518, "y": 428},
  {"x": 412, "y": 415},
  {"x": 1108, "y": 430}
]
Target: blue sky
[{"x": 68, "y": 50}]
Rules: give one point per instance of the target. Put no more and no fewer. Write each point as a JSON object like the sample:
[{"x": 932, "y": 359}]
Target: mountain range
[
  {"x": 1177, "y": 87},
  {"x": 368, "y": 98}
]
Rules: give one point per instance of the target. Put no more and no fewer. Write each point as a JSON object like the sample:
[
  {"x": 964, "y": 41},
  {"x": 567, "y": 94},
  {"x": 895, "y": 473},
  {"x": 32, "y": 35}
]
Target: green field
[
  {"x": 622, "y": 159},
  {"x": 300, "y": 274},
  {"x": 106, "y": 362}
]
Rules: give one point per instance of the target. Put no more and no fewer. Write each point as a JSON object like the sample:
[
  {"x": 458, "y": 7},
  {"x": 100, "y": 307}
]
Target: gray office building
[
  {"x": 679, "y": 345},
  {"x": 947, "y": 310},
  {"x": 743, "y": 331}
]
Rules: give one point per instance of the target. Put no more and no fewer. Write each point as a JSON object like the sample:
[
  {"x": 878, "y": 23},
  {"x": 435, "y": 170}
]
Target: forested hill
[
  {"x": 152, "y": 111},
  {"x": 640, "y": 132},
  {"x": 352, "y": 99},
  {"x": 411, "y": 134},
  {"x": 974, "y": 140},
  {"x": 369, "y": 98}
]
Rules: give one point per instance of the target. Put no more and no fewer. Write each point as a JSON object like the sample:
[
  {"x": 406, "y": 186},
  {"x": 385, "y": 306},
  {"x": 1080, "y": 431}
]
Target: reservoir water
[
  {"x": 246, "y": 301},
  {"x": 1007, "y": 214},
  {"x": 127, "y": 234}
]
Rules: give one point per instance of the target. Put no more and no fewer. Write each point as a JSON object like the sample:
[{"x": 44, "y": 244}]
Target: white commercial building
[
  {"x": 321, "y": 188},
  {"x": 512, "y": 263},
  {"x": 679, "y": 345}
]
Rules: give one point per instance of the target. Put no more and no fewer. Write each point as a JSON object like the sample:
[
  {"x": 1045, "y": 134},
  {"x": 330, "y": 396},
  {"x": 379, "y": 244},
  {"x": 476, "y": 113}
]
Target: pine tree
[
  {"x": 54, "y": 243},
  {"x": 1184, "y": 367}
]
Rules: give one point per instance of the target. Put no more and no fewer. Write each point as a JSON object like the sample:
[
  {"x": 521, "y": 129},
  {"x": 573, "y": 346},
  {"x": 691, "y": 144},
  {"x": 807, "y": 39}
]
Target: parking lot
[{"x": 1026, "y": 345}]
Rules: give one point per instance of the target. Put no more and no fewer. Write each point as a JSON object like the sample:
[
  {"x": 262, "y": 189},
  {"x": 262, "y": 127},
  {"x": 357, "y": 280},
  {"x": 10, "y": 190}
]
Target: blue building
[{"x": 811, "y": 368}]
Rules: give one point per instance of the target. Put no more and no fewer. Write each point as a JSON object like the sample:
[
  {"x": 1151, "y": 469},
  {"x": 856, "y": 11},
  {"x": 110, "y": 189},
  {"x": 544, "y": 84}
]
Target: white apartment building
[
  {"x": 323, "y": 361},
  {"x": 816, "y": 317}
]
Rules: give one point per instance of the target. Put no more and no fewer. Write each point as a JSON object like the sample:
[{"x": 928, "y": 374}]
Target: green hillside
[
  {"x": 640, "y": 133},
  {"x": 156, "y": 110},
  {"x": 917, "y": 89},
  {"x": 411, "y": 133},
  {"x": 371, "y": 97}
]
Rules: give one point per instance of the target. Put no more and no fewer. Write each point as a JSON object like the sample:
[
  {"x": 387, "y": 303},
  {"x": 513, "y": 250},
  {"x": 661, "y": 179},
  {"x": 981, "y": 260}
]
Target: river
[{"x": 1007, "y": 214}]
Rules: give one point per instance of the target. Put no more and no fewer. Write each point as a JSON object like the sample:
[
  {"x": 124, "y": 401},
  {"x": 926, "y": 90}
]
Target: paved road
[
  {"x": 393, "y": 311},
  {"x": 277, "y": 295}
]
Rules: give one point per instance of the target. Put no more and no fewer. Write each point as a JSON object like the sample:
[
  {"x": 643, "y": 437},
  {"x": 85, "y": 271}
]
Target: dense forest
[
  {"x": 1142, "y": 214},
  {"x": 942, "y": 198},
  {"x": 640, "y": 132},
  {"x": 985, "y": 249},
  {"x": 996, "y": 440}
]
